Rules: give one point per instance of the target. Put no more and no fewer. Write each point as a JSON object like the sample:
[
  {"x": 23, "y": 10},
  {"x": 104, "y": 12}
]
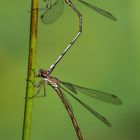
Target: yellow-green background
[{"x": 105, "y": 57}]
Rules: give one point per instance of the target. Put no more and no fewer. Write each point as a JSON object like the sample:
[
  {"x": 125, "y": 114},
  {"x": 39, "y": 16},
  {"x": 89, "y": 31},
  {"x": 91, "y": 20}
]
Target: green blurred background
[{"x": 105, "y": 57}]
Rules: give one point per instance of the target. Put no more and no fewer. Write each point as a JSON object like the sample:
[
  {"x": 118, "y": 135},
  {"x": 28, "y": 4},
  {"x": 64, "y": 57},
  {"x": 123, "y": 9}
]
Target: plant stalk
[{"x": 30, "y": 71}]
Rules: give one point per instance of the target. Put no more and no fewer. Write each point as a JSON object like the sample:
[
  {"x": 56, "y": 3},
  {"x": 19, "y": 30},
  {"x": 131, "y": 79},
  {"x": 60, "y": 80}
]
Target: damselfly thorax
[{"x": 48, "y": 80}]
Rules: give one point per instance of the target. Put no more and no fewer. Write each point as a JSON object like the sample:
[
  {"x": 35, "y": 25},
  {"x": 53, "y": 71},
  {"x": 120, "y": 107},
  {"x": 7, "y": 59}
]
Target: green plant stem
[{"x": 30, "y": 71}]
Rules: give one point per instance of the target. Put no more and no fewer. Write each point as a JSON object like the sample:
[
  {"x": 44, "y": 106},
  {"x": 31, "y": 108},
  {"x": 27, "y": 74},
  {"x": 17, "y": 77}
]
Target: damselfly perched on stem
[
  {"x": 73, "y": 90},
  {"x": 54, "y": 9}
]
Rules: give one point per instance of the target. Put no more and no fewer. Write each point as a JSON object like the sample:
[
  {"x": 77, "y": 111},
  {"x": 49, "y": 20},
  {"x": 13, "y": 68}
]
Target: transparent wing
[
  {"x": 53, "y": 11},
  {"x": 97, "y": 94},
  {"x": 99, "y": 116},
  {"x": 99, "y": 10}
]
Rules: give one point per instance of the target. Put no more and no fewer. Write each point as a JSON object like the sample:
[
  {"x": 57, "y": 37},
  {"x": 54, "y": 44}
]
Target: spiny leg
[
  {"x": 44, "y": 90},
  {"x": 39, "y": 85},
  {"x": 73, "y": 41}
]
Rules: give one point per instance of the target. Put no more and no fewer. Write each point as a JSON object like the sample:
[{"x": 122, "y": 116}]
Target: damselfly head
[{"x": 42, "y": 73}]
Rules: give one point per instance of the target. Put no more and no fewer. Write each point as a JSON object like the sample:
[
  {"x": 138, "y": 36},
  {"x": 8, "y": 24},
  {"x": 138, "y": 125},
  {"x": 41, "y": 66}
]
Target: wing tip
[
  {"x": 105, "y": 121},
  {"x": 119, "y": 101},
  {"x": 114, "y": 18}
]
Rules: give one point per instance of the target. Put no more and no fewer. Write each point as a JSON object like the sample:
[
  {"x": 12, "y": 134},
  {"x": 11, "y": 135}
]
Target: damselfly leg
[{"x": 39, "y": 86}]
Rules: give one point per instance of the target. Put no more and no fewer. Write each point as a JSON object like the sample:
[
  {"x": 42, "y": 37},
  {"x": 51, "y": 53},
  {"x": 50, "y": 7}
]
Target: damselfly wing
[
  {"x": 91, "y": 110},
  {"x": 73, "y": 90},
  {"x": 97, "y": 94},
  {"x": 54, "y": 9},
  {"x": 98, "y": 10}
]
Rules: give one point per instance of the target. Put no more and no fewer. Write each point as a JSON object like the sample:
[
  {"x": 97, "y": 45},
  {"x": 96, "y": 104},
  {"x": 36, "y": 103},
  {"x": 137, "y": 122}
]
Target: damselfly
[
  {"x": 73, "y": 90},
  {"x": 54, "y": 9}
]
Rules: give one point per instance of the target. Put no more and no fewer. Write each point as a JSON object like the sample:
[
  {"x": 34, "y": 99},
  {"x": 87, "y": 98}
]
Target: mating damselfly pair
[{"x": 54, "y": 8}]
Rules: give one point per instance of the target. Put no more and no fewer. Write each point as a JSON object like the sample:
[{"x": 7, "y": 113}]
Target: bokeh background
[{"x": 105, "y": 57}]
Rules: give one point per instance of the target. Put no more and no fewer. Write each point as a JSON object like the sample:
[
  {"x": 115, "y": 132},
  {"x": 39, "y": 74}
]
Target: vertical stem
[{"x": 30, "y": 71}]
